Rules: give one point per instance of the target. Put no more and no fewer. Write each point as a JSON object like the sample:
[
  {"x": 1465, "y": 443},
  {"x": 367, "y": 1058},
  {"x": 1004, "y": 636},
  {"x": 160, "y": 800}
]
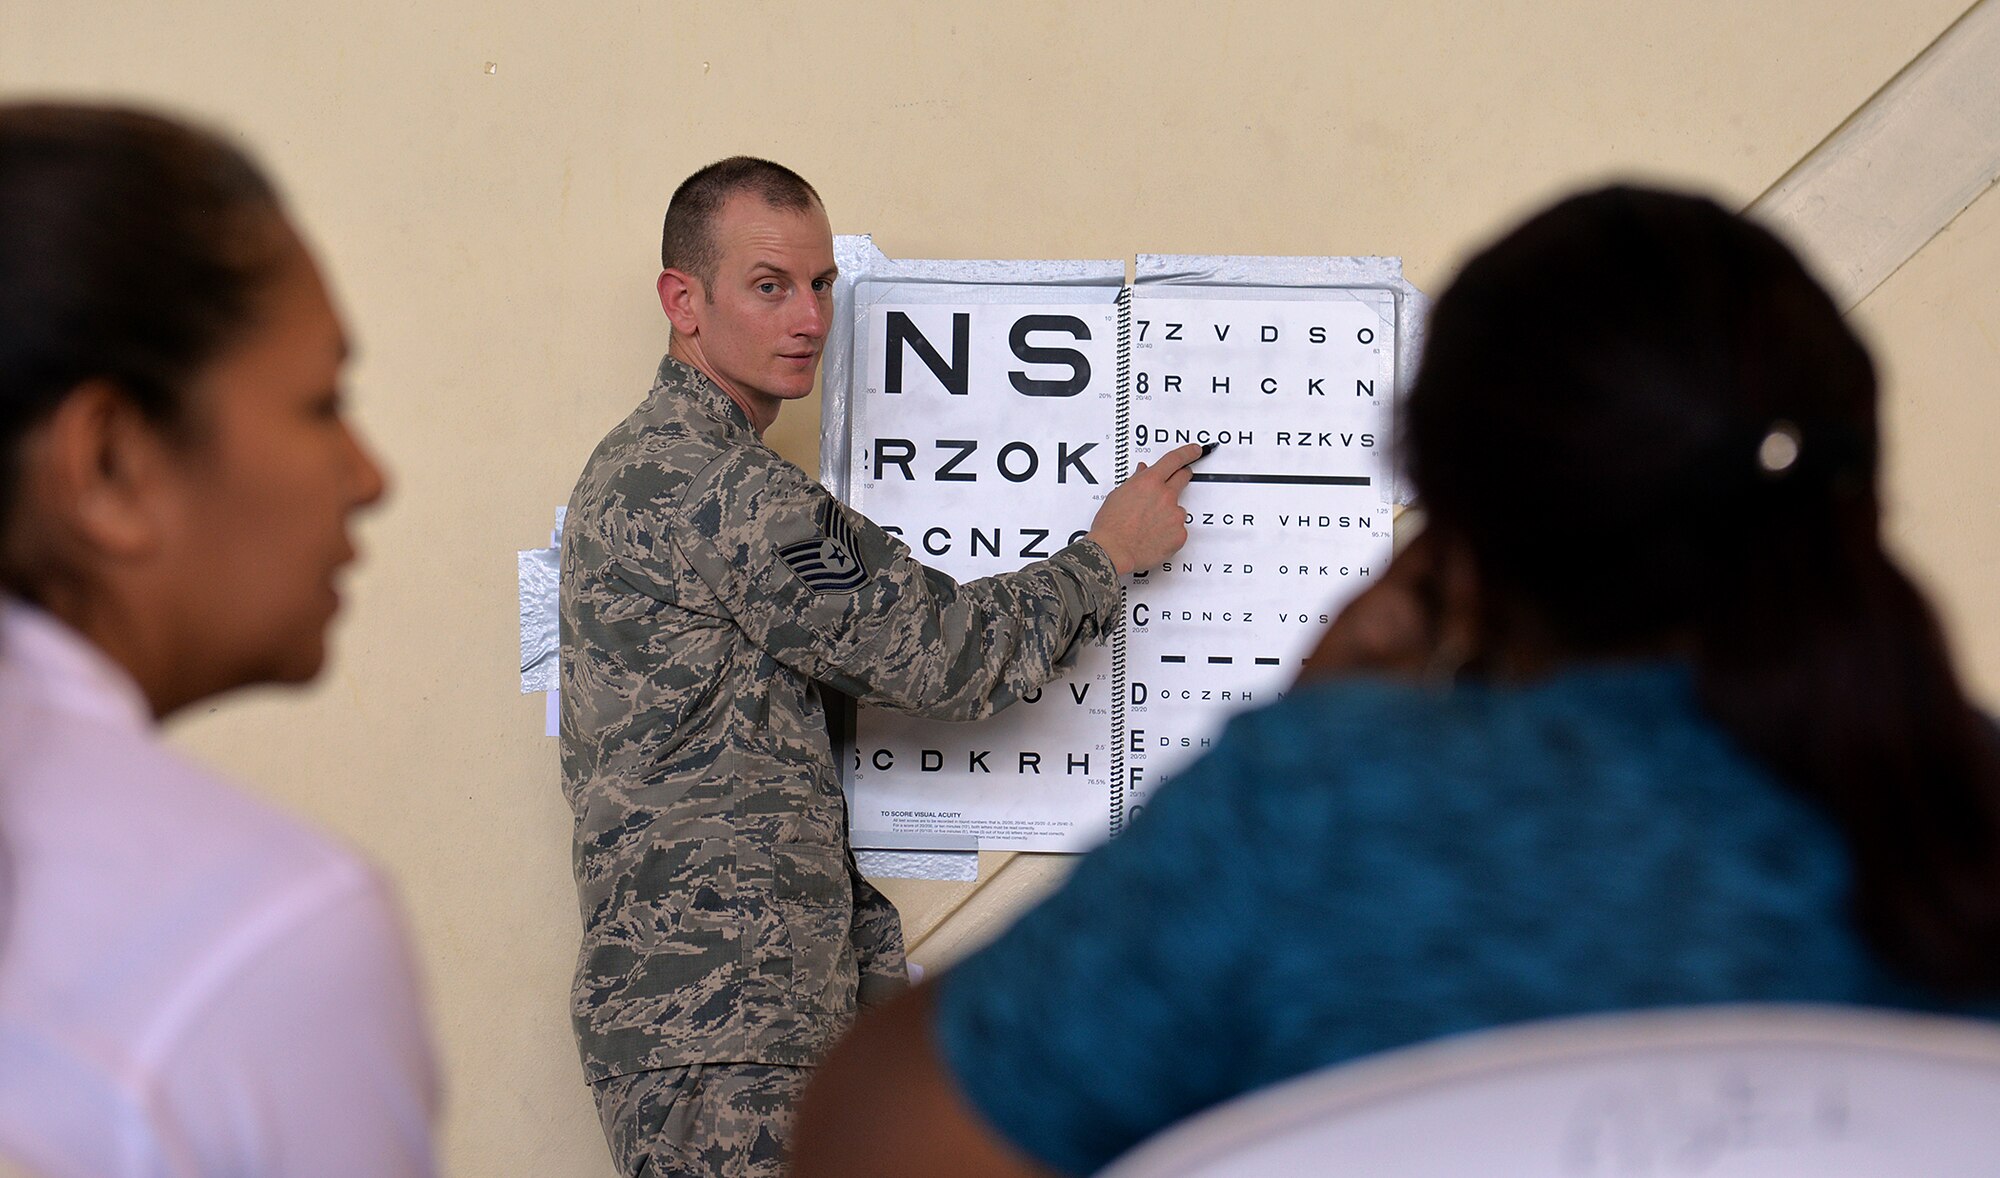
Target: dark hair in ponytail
[
  {"x": 1668, "y": 376},
  {"x": 132, "y": 249}
]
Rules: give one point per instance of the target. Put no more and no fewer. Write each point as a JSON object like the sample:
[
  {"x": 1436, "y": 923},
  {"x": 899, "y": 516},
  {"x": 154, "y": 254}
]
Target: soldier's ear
[{"x": 679, "y": 294}]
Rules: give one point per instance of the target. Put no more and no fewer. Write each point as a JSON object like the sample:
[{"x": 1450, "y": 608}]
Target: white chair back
[{"x": 1719, "y": 1092}]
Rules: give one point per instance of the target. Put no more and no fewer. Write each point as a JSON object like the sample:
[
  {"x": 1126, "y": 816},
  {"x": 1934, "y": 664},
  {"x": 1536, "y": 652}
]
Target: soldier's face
[{"x": 763, "y": 321}]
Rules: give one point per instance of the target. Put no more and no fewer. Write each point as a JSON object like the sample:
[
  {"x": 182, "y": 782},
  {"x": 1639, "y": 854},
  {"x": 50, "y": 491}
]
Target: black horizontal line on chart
[{"x": 1315, "y": 480}]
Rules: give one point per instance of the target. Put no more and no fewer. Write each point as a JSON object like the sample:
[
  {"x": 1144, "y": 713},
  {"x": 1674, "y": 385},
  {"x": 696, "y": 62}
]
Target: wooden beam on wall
[{"x": 1902, "y": 167}]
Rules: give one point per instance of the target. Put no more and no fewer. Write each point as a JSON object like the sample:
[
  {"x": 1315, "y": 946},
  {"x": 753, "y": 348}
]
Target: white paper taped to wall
[{"x": 1291, "y": 365}]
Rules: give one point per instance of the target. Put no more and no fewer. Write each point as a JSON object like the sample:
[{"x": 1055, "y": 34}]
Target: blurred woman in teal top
[{"x": 1646, "y": 717}]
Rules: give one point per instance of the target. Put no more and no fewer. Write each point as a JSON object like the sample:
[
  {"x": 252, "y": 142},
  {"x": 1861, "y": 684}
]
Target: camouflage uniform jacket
[{"x": 708, "y": 588}]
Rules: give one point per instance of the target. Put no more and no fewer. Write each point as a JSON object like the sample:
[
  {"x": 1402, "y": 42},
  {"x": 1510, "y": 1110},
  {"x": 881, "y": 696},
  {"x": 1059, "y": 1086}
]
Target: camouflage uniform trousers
[{"x": 729, "y": 1120}]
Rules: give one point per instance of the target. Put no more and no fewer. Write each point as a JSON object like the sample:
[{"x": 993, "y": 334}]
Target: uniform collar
[
  {"x": 61, "y": 669},
  {"x": 685, "y": 380}
]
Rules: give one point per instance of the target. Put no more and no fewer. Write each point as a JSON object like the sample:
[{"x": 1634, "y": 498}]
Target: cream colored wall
[
  {"x": 1935, "y": 328},
  {"x": 485, "y": 180}
]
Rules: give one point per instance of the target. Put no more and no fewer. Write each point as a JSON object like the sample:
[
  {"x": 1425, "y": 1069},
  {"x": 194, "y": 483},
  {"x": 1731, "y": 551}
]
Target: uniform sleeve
[
  {"x": 1116, "y": 1007},
  {"x": 828, "y": 593},
  {"x": 309, "y": 1055}
]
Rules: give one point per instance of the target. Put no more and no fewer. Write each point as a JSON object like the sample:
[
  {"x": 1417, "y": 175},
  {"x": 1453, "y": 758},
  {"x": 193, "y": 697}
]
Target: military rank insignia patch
[{"x": 831, "y": 561}]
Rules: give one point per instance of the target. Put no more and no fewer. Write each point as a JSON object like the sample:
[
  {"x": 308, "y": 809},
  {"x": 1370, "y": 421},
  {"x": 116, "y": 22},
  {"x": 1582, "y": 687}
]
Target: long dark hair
[
  {"x": 1667, "y": 376},
  {"x": 132, "y": 249}
]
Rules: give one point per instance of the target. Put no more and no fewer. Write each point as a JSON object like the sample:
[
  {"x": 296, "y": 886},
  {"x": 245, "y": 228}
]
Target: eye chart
[{"x": 982, "y": 410}]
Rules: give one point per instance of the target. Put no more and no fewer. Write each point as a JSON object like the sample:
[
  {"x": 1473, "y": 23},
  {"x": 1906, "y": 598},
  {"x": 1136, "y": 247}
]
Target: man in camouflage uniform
[{"x": 709, "y": 589}]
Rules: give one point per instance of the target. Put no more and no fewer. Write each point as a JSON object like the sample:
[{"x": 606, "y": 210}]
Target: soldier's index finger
[{"x": 1175, "y": 460}]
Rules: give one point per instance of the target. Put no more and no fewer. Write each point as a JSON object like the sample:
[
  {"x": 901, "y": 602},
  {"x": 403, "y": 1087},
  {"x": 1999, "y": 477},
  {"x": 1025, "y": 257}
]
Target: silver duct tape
[
  {"x": 855, "y": 254},
  {"x": 1247, "y": 277},
  {"x": 535, "y": 570},
  {"x": 1268, "y": 270},
  {"x": 959, "y": 866}
]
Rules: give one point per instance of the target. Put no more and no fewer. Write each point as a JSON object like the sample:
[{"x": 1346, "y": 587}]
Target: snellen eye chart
[{"x": 981, "y": 411}]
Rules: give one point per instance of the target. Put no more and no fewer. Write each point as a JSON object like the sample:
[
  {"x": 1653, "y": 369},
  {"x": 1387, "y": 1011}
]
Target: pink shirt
[{"x": 191, "y": 982}]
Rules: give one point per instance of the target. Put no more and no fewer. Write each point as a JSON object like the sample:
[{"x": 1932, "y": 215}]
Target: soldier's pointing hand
[{"x": 1140, "y": 522}]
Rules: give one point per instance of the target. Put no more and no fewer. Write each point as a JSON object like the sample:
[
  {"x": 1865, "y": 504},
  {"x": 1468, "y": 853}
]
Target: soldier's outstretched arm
[{"x": 830, "y": 594}]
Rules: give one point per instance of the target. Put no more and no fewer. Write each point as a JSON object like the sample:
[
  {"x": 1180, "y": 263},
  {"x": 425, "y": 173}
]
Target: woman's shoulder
[
  {"x": 143, "y": 880},
  {"x": 1375, "y": 711},
  {"x": 1400, "y": 741},
  {"x": 124, "y": 790},
  {"x": 172, "y": 938},
  {"x": 1355, "y": 718}
]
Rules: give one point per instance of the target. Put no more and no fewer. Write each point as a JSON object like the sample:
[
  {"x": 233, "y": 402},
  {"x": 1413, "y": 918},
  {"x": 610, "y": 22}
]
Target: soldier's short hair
[{"x": 687, "y": 239}]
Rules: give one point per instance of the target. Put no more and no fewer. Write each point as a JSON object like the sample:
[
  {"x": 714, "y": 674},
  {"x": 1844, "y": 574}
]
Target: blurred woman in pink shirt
[{"x": 191, "y": 983}]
